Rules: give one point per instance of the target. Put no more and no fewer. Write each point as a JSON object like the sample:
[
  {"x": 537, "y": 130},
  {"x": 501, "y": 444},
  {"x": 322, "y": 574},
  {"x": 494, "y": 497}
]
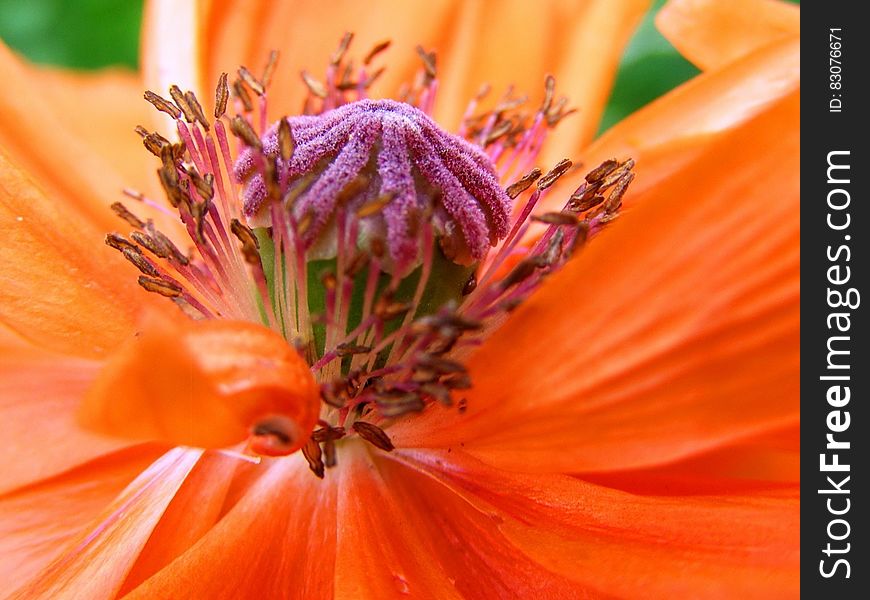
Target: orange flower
[{"x": 632, "y": 429}]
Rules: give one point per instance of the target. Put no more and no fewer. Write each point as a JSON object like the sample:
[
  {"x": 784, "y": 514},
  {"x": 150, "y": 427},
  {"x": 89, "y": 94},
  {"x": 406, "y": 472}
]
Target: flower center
[
  {"x": 392, "y": 166},
  {"x": 380, "y": 246}
]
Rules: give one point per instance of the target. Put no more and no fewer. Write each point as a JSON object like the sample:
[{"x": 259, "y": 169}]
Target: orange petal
[
  {"x": 39, "y": 393},
  {"x": 763, "y": 462},
  {"x": 195, "y": 508},
  {"x": 206, "y": 383},
  {"x": 667, "y": 134},
  {"x": 518, "y": 43},
  {"x": 35, "y": 527},
  {"x": 60, "y": 285},
  {"x": 278, "y": 539},
  {"x": 713, "y": 34},
  {"x": 97, "y": 560},
  {"x": 618, "y": 544},
  {"x": 676, "y": 330},
  {"x": 35, "y": 133},
  {"x": 405, "y": 534},
  {"x": 102, "y": 109},
  {"x": 503, "y": 44}
]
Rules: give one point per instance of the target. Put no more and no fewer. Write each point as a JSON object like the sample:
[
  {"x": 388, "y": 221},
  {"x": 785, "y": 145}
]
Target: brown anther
[
  {"x": 221, "y": 95},
  {"x": 346, "y": 82},
  {"x": 583, "y": 204},
  {"x": 169, "y": 181},
  {"x": 457, "y": 381},
  {"x": 160, "y": 286},
  {"x": 204, "y": 186},
  {"x": 243, "y": 130},
  {"x": 441, "y": 365},
  {"x": 470, "y": 285},
  {"x": 304, "y": 223},
  {"x": 376, "y": 49},
  {"x": 553, "y": 251},
  {"x": 314, "y": 86},
  {"x": 123, "y": 212},
  {"x": 602, "y": 170},
  {"x": 357, "y": 264},
  {"x": 141, "y": 131},
  {"x": 437, "y": 391},
  {"x": 168, "y": 158},
  {"x": 329, "y": 455},
  {"x": 386, "y": 309},
  {"x": 429, "y": 64},
  {"x": 343, "y": 45},
  {"x": 243, "y": 95},
  {"x": 502, "y": 129},
  {"x": 135, "y": 256},
  {"x": 328, "y": 432},
  {"x": 375, "y": 206},
  {"x": 519, "y": 273},
  {"x": 374, "y": 435},
  {"x": 286, "y": 144},
  {"x": 556, "y": 218},
  {"x": 334, "y": 394},
  {"x": 154, "y": 143},
  {"x": 549, "y": 93},
  {"x": 351, "y": 349},
  {"x": 119, "y": 242},
  {"x": 554, "y": 174},
  {"x": 398, "y": 403},
  {"x": 250, "y": 244},
  {"x": 162, "y": 104},
  {"x": 167, "y": 246},
  {"x": 196, "y": 108},
  {"x": 269, "y": 70},
  {"x": 580, "y": 238},
  {"x": 312, "y": 453},
  {"x": 614, "y": 201},
  {"x": 617, "y": 174},
  {"x": 199, "y": 211},
  {"x": 253, "y": 83},
  {"x": 518, "y": 187},
  {"x": 374, "y": 77},
  {"x": 244, "y": 233},
  {"x": 271, "y": 178},
  {"x": 150, "y": 244},
  {"x": 181, "y": 102}
]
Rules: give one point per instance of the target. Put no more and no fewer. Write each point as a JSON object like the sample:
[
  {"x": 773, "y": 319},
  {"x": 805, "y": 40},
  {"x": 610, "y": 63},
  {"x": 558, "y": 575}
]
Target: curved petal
[
  {"x": 625, "y": 545},
  {"x": 39, "y": 393},
  {"x": 35, "y": 131},
  {"x": 96, "y": 562},
  {"x": 405, "y": 534},
  {"x": 195, "y": 508},
  {"x": 496, "y": 42},
  {"x": 676, "y": 330},
  {"x": 667, "y": 134},
  {"x": 207, "y": 384},
  {"x": 713, "y": 34},
  {"x": 37, "y": 521},
  {"x": 765, "y": 462},
  {"x": 60, "y": 285},
  {"x": 284, "y": 526}
]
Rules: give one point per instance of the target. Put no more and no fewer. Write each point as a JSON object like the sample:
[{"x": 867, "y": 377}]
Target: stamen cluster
[{"x": 380, "y": 246}]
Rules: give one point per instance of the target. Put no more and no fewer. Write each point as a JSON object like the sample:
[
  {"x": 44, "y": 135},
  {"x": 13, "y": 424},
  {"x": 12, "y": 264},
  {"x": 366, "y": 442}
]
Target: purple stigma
[{"x": 390, "y": 164}]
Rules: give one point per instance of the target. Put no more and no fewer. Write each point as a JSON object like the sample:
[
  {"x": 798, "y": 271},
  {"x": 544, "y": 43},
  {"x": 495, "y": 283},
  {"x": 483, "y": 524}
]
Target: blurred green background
[{"x": 88, "y": 34}]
